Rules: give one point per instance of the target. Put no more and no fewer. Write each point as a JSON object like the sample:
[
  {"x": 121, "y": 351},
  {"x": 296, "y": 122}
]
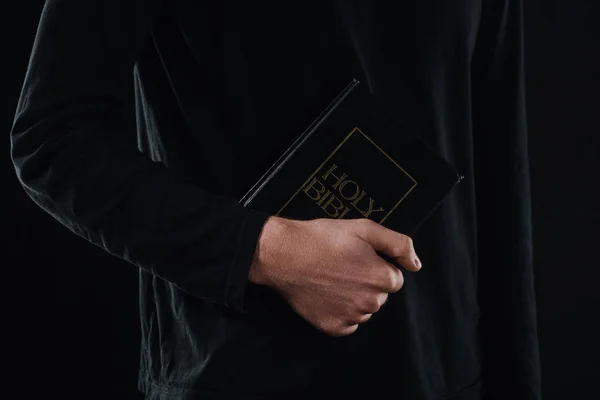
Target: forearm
[{"x": 76, "y": 157}]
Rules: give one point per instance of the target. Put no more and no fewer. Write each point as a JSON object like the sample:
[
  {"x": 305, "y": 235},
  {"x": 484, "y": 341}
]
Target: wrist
[{"x": 271, "y": 250}]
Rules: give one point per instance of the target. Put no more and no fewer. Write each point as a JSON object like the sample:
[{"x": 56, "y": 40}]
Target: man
[{"x": 236, "y": 303}]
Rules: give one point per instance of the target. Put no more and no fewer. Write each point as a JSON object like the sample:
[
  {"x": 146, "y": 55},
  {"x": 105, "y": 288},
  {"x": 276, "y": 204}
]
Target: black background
[{"x": 85, "y": 344}]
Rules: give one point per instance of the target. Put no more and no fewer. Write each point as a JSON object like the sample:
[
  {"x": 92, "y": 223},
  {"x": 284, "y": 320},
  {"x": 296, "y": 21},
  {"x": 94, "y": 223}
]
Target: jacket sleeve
[
  {"x": 74, "y": 154},
  {"x": 508, "y": 321}
]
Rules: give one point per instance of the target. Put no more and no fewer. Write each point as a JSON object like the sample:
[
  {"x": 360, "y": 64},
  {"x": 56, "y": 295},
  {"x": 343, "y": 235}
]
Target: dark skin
[{"x": 328, "y": 269}]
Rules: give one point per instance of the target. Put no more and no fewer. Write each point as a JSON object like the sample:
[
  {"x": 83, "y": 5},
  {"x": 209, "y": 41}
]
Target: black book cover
[{"x": 356, "y": 160}]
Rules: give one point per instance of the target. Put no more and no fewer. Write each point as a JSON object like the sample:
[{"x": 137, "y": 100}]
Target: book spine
[{"x": 277, "y": 165}]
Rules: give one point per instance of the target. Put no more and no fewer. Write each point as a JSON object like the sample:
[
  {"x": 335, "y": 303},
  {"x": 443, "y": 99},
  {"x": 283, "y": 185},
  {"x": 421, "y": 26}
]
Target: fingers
[
  {"x": 385, "y": 277},
  {"x": 361, "y": 320},
  {"x": 343, "y": 331},
  {"x": 363, "y": 311},
  {"x": 392, "y": 243},
  {"x": 370, "y": 304},
  {"x": 368, "y": 308}
]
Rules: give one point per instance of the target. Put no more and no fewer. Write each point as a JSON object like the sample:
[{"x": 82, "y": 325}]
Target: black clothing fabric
[{"x": 221, "y": 90}]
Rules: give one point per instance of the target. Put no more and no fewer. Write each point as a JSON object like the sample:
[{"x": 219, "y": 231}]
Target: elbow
[{"x": 34, "y": 158}]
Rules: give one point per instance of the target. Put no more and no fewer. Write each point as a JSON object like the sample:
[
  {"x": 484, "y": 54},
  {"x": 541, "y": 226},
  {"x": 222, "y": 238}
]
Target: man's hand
[{"x": 328, "y": 269}]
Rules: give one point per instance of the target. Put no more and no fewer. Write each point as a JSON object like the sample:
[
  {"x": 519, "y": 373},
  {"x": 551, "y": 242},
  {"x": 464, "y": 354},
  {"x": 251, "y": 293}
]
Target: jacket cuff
[{"x": 245, "y": 247}]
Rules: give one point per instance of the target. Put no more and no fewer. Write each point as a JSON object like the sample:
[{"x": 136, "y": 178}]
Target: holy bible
[{"x": 356, "y": 160}]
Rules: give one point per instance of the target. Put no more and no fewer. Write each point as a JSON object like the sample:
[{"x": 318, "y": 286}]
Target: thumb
[{"x": 395, "y": 245}]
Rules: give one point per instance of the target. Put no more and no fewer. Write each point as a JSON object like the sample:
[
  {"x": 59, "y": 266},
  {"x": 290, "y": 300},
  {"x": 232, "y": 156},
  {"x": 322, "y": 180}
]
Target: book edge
[
  {"x": 459, "y": 178},
  {"x": 280, "y": 162}
]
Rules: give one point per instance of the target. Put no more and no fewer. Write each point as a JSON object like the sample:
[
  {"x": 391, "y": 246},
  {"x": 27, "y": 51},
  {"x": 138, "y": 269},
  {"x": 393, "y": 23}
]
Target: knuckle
[
  {"x": 364, "y": 318},
  {"x": 382, "y": 280},
  {"x": 349, "y": 330},
  {"x": 357, "y": 319},
  {"x": 393, "y": 275},
  {"x": 398, "y": 281},
  {"x": 372, "y": 304},
  {"x": 391, "y": 279},
  {"x": 334, "y": 326},
  {"x": 382, "y": 299}
]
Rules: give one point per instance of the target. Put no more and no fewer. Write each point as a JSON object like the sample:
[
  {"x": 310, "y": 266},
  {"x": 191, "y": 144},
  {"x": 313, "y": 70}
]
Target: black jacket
[{"x": 221, "y": 89}]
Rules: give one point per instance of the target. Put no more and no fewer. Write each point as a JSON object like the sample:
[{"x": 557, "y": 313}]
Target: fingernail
[{"x": 418, "y": 262}]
